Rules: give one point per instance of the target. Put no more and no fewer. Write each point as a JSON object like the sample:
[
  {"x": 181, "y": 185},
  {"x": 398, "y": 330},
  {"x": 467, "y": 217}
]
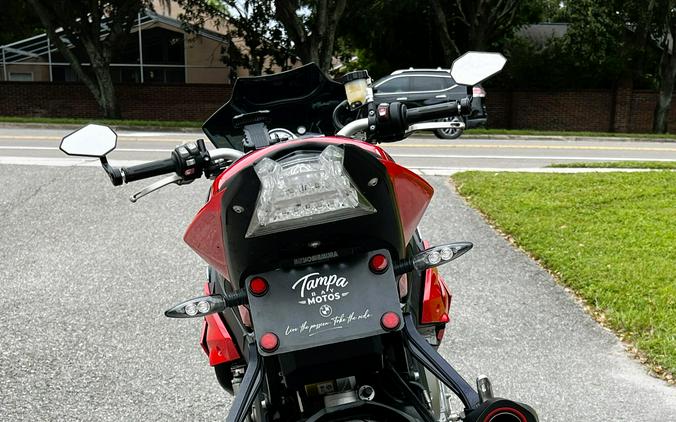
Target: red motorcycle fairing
[
  {"x": 205, "y": 235},
  {"x": 215, "y": 339},
  {"x": 436, "y": 297}
]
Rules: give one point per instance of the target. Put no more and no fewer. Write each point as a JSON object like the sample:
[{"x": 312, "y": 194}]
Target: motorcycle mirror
[
  {"x": 89, "y": 141},
  {"x": 475, "y": 66}
]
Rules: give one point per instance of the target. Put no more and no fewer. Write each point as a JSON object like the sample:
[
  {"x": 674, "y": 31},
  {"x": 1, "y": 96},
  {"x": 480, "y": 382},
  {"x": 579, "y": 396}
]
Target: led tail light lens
[{"x": 305, "y": 189}]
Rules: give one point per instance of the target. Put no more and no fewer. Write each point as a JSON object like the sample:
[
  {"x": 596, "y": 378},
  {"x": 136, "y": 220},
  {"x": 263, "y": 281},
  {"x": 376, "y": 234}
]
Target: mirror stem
[{"x": 114, "y": 174}]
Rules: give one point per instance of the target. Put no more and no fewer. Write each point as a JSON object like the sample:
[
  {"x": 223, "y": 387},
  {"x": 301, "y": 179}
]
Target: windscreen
[{"x": 300, "y": 97}]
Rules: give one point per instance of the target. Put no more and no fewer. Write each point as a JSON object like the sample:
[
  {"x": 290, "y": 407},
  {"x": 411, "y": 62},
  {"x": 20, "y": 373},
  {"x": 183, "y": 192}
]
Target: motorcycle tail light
[
  {"x": 305, "y": 189},
  {"x": 478, "y": 91}
]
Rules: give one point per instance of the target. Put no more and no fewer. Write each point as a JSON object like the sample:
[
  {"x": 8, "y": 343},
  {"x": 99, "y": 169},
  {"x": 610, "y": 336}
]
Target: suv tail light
[{"x": 478, "y": 91}]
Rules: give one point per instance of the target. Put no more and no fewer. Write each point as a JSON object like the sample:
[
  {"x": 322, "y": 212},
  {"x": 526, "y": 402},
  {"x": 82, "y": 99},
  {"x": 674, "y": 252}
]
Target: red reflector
[
  {"x": 444, "y": 317},
  {"x": 269, "y": 342},
  {"x": 440, "y": 335},
  {"x": 258, "y": 286},
  {"x": 390, "y": 320},
  {"x": 378, "y": 264}
]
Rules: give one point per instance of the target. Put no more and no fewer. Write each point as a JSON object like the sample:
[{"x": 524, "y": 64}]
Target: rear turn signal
[
  {"x": 390, "y": 321},
  {"x": 439, "y": 255},
  {"x": 269, "y": 342}
]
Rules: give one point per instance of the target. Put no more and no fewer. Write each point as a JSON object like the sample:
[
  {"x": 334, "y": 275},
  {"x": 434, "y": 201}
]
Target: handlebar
[
  {"x": 388, "y": 122},
  {"x": 438, "y": 111},
  {"x": 150, "y": 169},
  {"x": 188, "y": 162}
]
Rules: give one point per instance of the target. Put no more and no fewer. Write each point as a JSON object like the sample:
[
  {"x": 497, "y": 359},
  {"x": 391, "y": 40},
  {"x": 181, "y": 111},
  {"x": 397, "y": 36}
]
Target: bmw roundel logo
[{"x": 325, "y": 310}]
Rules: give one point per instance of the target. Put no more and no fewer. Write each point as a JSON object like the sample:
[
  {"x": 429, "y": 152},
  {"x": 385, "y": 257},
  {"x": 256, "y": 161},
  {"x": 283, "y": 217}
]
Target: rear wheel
[{"x": 449, "y": 133}]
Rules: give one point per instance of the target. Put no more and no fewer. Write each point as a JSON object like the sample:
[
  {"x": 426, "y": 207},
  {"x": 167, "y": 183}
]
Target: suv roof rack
[{"x": 410, "y": 69}]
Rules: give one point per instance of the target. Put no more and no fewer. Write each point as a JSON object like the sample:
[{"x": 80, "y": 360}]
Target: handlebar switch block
[
  {"x": 190, "y": 160},
  {"x": 391, "y": 122}
]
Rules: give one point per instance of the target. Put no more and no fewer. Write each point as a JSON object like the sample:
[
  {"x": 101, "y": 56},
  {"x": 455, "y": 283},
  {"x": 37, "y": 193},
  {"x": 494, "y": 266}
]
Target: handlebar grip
[
  {"x": 151, "y": 169},
  {"x": 439, "y": 111}
]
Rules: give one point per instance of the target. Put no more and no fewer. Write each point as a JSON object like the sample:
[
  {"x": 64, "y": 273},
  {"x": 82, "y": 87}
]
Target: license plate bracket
[{"x": 325, "y": 303}]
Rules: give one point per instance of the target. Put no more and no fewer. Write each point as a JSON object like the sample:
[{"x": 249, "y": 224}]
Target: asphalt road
[
  {"x": 85, "y": 277},
  {"x": 427, "y": 155}
]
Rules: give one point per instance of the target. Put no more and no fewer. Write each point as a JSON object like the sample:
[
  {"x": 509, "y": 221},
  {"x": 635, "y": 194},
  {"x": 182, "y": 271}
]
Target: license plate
[{"x": 325, "y": 303}]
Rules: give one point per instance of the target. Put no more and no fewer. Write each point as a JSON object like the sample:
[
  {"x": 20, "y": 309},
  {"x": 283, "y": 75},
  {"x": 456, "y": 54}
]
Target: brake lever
[
  {"x": 174, "y": 178},
  {"x": 434, "y": 125}
]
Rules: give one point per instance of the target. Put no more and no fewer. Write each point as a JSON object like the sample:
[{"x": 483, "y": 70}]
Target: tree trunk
[
  {"x": 317, "y": 45},
  {"x": 328, "y": 42},
  {"x": 100, "y": 63},
  {"x": 107, "y": 99},
  {"x": 666, "y": 91},
  {"x": 448, "y": 47},
  {"x": 667, "y": 75},
  {"x": 102, "y": 87}
]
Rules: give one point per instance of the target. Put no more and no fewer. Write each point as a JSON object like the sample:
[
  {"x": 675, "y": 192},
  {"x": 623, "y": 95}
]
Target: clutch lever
[{"x": 174, "y": 178}]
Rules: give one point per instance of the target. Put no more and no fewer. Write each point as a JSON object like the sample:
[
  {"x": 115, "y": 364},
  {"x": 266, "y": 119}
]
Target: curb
[{"x": 73, "y": 126}]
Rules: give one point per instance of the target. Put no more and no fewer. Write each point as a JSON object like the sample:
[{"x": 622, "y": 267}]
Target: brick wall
[
  {"x": 589, "y": 110},
  {"x": 622, "y": 110},
  {"x": 145, "y": 102}
]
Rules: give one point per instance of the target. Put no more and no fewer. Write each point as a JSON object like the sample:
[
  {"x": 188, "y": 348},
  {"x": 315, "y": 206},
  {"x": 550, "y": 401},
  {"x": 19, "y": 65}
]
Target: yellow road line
[{"x": 436, "y": 146}]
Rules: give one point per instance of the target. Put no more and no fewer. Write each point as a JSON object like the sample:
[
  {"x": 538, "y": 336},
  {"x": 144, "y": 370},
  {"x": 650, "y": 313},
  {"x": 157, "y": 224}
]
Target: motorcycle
[{"x": 323, "y": 303}]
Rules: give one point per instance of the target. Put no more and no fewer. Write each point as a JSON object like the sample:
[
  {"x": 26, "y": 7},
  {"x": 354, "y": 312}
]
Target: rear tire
[{"x": 449, "y": 133}]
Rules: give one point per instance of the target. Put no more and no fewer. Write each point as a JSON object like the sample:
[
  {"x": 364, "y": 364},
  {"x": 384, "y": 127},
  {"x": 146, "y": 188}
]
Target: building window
[{"x": 21, "y": 76}]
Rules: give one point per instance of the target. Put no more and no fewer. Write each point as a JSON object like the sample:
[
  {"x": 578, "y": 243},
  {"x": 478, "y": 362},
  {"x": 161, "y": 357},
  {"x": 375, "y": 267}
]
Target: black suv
[{"x": 421, "y": 87}]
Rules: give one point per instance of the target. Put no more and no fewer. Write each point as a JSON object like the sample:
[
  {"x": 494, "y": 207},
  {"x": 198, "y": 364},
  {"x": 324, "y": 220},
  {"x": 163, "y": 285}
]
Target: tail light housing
[{"x": 305, "y": 189}]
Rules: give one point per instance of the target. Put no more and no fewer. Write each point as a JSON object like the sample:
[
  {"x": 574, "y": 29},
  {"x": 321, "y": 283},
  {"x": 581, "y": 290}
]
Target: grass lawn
[
  {"x": 656, "y": 165},
  {"x": 78, "y": 121},
  {"x": 517, "y": 132},
  {"x": 611, "y": 237}
]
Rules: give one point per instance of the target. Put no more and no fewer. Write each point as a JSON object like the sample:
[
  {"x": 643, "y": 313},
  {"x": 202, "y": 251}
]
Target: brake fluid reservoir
[{"x": 356, "y": 88}]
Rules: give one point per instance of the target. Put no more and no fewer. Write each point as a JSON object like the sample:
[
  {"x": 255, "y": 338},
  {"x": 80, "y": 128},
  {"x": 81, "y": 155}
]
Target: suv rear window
[
  {"x": 429, "y": 83},
  {"x": 395, "y": 85}
]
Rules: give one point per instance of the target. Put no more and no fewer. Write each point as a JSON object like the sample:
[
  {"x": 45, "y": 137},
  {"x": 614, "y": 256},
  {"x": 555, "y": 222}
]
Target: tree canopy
[{"x": 598, "y": 44}]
